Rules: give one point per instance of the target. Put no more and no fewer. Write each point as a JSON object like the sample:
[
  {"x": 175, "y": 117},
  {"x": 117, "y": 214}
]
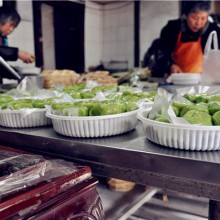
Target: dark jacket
[
  {"x": 154, "y": 59},
  {"x": 6, "y": 52},
  {"x": 169, "y": 36}
]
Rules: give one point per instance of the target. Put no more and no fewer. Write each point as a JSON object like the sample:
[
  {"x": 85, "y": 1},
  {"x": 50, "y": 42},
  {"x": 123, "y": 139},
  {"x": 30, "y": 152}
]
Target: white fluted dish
[
  {"x": 94, "y": 126},
  {"x": 190, "y": 137},
  {"x": 18, "y": 118}
]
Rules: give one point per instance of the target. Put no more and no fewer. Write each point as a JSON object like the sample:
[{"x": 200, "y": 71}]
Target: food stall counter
[{"x": 129, "y": 156}]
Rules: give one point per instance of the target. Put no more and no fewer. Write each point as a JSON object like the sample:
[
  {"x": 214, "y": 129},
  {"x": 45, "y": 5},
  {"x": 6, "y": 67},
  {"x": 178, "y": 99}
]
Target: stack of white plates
[{"x": 185, "y": 78}]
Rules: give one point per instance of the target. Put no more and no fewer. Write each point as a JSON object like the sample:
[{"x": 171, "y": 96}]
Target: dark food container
[{"x": 32, "y": 187}]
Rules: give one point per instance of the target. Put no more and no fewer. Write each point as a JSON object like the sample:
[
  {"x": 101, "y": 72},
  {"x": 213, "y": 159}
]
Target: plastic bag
[
  {"x": 161, "y": 105},
  {"x": 21, "y": 171},
  {"x": 211, "y": 64}
]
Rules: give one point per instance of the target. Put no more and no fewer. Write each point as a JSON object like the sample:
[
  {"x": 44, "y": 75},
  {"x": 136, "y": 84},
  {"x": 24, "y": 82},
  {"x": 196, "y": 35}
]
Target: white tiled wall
[
  {"x": 109, "y": 29},
  {"x": 112, "y": 38},
  {"x": 48, "y": 37},
  {"x": 23, "y": 35},
  {"x": 118, "y": 32},
  {"x": 93, "y": 34},
  {"x": 154, "y": 15}
]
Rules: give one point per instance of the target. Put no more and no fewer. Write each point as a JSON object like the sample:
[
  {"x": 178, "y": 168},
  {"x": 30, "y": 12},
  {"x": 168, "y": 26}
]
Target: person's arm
[
  {"x": 175, "y": 69},
  {"x": 13, "y": 53},
  {"x": 25, "y": 56}
]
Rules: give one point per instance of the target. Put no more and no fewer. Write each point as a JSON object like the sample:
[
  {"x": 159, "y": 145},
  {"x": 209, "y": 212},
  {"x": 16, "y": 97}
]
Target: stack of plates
[{"x": 185, "y": 78}]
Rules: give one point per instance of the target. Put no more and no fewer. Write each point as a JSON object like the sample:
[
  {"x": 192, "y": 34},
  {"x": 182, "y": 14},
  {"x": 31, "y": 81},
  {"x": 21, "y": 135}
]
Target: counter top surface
[{"x": 130, "y": 150}]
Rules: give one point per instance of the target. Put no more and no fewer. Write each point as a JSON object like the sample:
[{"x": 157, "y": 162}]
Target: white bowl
[
  {"x": 190, "y": 137},
  {"x": 186, "y": 78},
  {"x": 94, "y": 126},
  {"x": 19, "y": 119}
]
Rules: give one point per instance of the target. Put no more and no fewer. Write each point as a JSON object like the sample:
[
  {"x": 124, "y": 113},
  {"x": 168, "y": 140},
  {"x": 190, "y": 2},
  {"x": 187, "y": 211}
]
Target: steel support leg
[{"x": 214, "y": 210}]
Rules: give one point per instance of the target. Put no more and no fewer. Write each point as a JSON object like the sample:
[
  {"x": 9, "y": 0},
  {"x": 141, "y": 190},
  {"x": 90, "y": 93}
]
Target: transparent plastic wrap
[
  {"x": 161, "y": 104},
  {"x": 200, "y": 89},
  {"x": 28, "y": 89},
  {"x": 22, "y": 171},
  {"x": 77, "y": 108},
  {"x": 28, "y": 181},
  {"x": 84, "y": 92}
]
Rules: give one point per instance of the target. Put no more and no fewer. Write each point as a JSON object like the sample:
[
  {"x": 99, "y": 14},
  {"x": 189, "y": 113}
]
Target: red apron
[{"x": 188, "y": 55}]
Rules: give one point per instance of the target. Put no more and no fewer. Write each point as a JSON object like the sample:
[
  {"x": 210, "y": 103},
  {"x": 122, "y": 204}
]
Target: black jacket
[
  {"x": 6, "y": 52},
  {"x": 9, "y": 53},
  {"x": 169, "y": 36},
  {"x": 155, "y": 60}
]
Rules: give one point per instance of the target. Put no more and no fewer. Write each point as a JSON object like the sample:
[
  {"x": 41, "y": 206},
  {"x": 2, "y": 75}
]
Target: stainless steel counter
[{"x": 128, "y": 156}]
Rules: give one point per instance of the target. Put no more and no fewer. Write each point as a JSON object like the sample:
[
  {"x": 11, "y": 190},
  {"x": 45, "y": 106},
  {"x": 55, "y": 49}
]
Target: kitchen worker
[
  {"x": 183, "y": 40},
  {"x": 9, "y": 20}
]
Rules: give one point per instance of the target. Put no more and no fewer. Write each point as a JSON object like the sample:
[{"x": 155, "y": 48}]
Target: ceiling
[{"x": 109, "y": 1}]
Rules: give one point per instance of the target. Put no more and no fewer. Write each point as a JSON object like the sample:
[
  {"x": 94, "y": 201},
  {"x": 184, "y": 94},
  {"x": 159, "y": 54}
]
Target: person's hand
[
  {"x": 175, "y": 69},
  {"x": 26, "y": 57}
]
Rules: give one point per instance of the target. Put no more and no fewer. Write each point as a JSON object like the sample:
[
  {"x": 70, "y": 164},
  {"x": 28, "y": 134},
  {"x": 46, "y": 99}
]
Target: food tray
[
  {"x": 18, "y": 118},
  {"x": 190, "y": 137},
  {"x": 94, "y": 126}
]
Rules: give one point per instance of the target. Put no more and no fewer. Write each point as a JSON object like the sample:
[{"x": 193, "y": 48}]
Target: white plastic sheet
[{"x": 211, "y": 64}]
